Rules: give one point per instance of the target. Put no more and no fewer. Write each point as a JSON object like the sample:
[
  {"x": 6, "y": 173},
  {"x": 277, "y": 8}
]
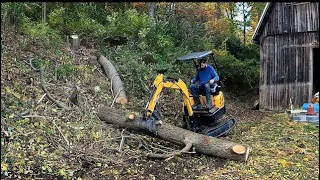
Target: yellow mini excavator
[{"x": 203, "y": 120}]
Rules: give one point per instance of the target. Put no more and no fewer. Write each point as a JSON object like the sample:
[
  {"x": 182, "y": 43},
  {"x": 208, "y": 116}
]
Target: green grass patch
[{"x": 280, "y": 149}]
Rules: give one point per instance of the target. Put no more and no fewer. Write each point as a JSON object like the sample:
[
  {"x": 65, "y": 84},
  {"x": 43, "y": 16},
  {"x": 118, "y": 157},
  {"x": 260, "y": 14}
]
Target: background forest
[{"x": 142, "y": 38}]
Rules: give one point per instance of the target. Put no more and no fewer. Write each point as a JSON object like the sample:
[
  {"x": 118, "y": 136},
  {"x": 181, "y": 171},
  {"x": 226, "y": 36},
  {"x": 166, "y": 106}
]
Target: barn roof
[{"x": 262, "y": 21}]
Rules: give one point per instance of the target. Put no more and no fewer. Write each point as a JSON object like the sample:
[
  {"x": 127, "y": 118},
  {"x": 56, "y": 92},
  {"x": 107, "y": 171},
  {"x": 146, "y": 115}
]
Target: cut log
[
  {"x": 116, "y": 83},
  {"x": 202, "y": 143}
]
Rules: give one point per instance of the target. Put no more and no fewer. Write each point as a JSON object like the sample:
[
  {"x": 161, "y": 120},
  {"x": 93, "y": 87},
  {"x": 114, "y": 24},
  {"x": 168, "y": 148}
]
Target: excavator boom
[{"x": 160, "y": 83}]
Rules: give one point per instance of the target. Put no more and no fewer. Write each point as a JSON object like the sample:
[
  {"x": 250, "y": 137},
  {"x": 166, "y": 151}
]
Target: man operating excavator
[
  {"x": 206, "y": 93},
  {"x": 207, "y": 78}
]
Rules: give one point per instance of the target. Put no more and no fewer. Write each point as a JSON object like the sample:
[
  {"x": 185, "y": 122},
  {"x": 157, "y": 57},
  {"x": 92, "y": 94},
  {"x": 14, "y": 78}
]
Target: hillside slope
[{"x": 40, "y": 140}]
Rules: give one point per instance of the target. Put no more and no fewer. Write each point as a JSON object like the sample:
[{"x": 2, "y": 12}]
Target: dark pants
[{"x": 195, "y": 91}]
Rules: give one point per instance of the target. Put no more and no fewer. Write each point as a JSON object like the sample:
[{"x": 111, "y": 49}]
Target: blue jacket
[{"x": 205, "y": 75}]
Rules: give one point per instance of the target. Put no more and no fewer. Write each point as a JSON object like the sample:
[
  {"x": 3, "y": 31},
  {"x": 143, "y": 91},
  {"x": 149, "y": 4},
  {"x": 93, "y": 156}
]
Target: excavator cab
[
  {"x": 195, "y": 57},
  {"x": 216, "y": 93},
  {"x": 203, "y": 118}
]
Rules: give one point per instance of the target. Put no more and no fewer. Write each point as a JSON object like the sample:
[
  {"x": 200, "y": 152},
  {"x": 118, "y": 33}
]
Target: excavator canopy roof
[{"x": 194, "y": 55}]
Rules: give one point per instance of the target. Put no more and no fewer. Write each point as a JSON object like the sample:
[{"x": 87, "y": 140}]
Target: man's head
[{"x": 202, "y": 63}]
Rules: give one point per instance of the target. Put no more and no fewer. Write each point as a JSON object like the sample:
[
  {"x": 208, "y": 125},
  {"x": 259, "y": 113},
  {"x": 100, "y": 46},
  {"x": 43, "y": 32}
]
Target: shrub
[
  {"x": 41, "y": 34},
  {"x": 235, "y": 73},
  {"x": 77, "y": 22},
  {"x": 14, "y": 13},
  {"x": 137, "y": 75},
  {"x": 235, "y": 47},
  {"x": 56, "y": 19},
  {"x": 127, "y": 24},
  {"x": 65, "y": 70}
]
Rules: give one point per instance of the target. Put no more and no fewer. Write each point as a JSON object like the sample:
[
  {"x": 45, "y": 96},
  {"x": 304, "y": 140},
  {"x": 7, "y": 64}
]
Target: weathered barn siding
[{"x": 286, "y": 57}]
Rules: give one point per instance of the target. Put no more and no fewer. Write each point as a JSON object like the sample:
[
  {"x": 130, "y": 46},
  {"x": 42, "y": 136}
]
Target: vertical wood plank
[{"x": 294, "y": 64}]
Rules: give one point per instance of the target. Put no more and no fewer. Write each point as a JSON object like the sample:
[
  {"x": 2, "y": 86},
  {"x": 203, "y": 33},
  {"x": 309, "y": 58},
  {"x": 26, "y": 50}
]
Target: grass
[{"x": 280, "y": 149}]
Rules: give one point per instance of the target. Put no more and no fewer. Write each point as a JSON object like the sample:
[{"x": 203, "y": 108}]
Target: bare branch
[
  {"x": 31, "y": 65},
  {"x": 171, "y": 155},
  {"x": 41, "y": 98},
  {"x": 33, "y": 116},
  {"x": 43, "y": 86},
  {"x": 61, "y": 134},
  {"x": 122, "y": 141}
]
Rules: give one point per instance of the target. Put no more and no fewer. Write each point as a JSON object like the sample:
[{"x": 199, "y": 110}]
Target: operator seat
[{"x": 215, "y": 89}]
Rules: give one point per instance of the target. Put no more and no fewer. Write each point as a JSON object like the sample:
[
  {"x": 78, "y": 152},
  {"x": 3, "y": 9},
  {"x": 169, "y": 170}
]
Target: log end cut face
[
  {"x": 239, "y": 149},
  {"x": 121, "y": 100}
]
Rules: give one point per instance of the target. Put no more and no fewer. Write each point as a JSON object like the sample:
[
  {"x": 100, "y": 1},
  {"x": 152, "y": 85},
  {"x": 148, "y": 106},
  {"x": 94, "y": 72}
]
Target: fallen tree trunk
[
  {"x": 116, "y": 83},
  {"x": 202, "y": 144}
]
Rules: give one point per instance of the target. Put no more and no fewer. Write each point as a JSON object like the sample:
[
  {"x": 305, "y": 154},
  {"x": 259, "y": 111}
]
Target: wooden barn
[{"x": 288, "y": 35}]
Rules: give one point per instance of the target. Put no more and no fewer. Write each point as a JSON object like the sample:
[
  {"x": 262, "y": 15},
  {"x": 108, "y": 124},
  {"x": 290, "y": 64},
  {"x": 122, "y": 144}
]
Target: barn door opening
[{"x": 316, "y": 68}]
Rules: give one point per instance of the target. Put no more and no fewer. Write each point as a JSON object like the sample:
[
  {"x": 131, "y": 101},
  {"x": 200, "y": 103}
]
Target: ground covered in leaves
[{"x": 40, "y": 140}]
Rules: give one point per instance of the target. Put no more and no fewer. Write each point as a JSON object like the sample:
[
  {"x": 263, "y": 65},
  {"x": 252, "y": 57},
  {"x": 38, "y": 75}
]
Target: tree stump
[{"x": 75, "y": 42}]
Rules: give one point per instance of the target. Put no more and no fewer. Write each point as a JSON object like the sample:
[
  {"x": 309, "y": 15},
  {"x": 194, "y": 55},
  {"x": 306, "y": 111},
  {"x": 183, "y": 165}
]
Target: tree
[
  {"x": 152, "y": 7},
  {"x": 220, "y": 17},
  {"x": 256, "y": 12},
  {"x": 44, "y": 13},
  {"x": 218, "y": 7},
  {"x": 246, "y": 12},
  {"x": 229, "y": 9}
]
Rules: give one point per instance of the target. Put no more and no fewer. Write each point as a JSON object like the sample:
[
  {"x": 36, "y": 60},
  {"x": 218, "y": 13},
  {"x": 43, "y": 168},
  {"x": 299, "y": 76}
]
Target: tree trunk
[
  {"x": 202, "y": 143},
  {"x": 218, "y": 10},
  {"x": 172, "y": 8},
  {"x": 116, "y": 83},
  {"x": 44, "y": 13},
  {"x": 152, "y": 9},
  {"x": 244, "y": 22}
]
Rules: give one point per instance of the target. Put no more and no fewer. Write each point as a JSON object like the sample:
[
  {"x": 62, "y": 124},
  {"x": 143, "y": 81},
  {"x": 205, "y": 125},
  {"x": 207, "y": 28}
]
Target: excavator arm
[{"x": 160, "y": 83}]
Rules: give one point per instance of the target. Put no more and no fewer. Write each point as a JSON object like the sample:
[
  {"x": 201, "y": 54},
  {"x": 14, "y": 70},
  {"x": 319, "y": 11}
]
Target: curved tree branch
[{"x": 43, "y": 86}]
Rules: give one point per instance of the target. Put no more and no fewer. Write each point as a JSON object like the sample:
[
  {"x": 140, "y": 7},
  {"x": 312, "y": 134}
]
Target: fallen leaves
[
  {"x": 279, "y": 149},
  {"x": 35, "y": 144},
  {"x": 283, "y": 162},
  {"x": 4, "y": 167},
  {"x": 10, "y": 91}
]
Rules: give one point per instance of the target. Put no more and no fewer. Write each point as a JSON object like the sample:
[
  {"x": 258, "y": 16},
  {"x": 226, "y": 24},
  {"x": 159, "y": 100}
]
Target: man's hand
[{"x": 211, "y": 81}]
